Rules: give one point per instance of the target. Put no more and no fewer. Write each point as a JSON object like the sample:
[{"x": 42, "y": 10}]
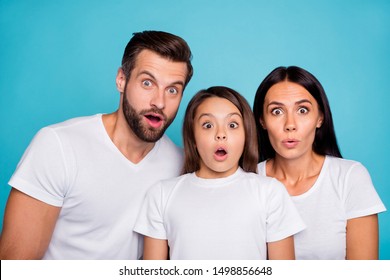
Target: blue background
[{"x": 58, "y": 60}]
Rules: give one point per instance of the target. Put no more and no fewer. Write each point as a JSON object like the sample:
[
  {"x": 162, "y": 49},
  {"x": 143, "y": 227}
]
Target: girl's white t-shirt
[{"x": 226, "y": 218}]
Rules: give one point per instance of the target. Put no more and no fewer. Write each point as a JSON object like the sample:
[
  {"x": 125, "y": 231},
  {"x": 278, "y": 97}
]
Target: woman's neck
[{"x": 298, "y": 175}]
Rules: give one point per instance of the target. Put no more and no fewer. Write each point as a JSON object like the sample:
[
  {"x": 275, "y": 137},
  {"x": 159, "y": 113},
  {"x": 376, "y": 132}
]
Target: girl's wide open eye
[
  {"x": 233, "y": 125},
  {"x": 207, "y": 125}
]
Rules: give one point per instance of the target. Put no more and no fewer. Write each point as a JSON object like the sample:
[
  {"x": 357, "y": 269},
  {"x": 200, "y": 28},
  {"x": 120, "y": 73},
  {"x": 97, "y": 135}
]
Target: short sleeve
[
  {"x": 283, "y": 219},
  {"x": 41, "y": 172},
  {"x": 361, "y": 198},
  {"x": 150, "y": 220}
]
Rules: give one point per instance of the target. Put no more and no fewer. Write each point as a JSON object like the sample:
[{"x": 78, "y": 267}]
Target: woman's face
[{"x": 291, "y": 117}]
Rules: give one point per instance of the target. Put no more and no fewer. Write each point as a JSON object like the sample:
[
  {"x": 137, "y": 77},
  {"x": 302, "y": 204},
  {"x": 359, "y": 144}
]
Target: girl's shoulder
[
  {"x": 163, "y": 189},
  {"x": 261, "y": 180},
  {"x": 171, "y": 182}
]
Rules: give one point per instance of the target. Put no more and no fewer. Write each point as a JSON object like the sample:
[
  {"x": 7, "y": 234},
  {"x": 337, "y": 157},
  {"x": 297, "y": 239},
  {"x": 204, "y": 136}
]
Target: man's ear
[{"x": 120, "y": 80}]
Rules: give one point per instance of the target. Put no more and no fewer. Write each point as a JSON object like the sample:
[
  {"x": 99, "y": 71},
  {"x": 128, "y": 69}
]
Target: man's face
[{"x": 152, "y": 94}]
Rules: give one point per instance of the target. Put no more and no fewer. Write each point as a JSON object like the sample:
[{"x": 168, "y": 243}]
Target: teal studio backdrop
[{"x": 58, "y": 60}]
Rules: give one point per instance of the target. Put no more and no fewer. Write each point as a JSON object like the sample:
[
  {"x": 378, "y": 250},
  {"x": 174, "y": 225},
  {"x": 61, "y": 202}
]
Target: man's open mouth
[{"x": 153, "y": 118}]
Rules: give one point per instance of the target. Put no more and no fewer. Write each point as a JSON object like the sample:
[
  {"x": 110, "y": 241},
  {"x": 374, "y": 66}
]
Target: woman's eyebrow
[{"x": 303, "y": 101}]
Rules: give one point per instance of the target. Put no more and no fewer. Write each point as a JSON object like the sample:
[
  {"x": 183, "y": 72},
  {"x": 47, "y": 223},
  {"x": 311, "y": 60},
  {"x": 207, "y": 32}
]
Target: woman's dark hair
[
  {"x": 164, "y": 44},
  {"x": 249, "y": 158},
  {"x": 325, "y": 142}
]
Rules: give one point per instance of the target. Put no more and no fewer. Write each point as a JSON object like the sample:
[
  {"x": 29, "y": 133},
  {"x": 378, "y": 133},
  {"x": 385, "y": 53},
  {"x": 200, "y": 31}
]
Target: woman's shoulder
[
  {"x": 343, "y": 164},
  {"x": 345, "y": 170}
]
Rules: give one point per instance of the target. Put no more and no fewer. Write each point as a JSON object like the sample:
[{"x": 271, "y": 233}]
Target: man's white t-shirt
[
  {"x": 225, "y": 218},
  {"x": 75, "y": 165},
  {"x": 343, "y": 191}
]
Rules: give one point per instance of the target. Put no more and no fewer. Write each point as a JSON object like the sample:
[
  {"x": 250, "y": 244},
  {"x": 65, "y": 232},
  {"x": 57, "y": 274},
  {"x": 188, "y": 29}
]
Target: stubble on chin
[{"x": 135, "y": 121}]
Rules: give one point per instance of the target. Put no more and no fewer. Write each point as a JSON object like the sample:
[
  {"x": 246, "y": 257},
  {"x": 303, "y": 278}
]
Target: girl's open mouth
[{"x": 220, "y": 154}]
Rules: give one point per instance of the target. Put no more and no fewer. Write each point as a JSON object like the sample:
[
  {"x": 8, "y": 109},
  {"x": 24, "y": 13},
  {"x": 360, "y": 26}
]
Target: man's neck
[{"x": 133, "y": 148}]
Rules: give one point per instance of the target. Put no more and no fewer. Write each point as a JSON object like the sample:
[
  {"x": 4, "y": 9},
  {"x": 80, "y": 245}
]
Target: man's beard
[{"x": 134, "y": 120}]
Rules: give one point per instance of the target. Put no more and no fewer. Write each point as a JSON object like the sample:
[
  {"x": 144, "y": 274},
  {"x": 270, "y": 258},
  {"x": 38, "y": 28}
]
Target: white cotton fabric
[
  {"x": 226, "y": 218},
  {"x": 75, "y": 165},
  {"x": 343, "y": 191}
]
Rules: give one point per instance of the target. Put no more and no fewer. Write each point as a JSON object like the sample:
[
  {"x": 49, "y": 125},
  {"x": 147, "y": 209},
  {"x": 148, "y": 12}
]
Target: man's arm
[{"x": 28, "y": 227}]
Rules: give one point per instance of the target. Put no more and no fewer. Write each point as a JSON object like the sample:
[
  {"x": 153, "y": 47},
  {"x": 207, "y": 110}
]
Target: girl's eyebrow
[
  {"x": 227, "y": 116},
  {"x": 205, "y": 115}
]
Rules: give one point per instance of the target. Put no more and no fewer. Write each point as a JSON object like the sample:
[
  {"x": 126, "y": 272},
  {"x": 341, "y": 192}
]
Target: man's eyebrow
[{"x": 145, "y": 72}]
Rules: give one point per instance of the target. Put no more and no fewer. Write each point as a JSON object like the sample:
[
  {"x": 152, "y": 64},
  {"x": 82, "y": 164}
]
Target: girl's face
[
  {"x": 291, "y": 116},
  {"x": 219, "y": 137}
]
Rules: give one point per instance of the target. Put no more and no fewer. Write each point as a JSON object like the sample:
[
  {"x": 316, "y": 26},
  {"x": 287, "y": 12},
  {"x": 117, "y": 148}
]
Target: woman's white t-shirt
[{"x": 343, "y": 191}]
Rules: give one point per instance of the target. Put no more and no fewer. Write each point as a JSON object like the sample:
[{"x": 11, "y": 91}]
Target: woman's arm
[
  {"x": 155, "y": 249},
  {"x": 282, "y": 249},
  {"x": 363, "y": 238}
]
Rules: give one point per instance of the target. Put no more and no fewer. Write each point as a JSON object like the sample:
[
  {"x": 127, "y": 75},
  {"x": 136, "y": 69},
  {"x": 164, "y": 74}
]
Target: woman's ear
[
  {"x": 320, "y": 121},
  {"x": 261, "y": 121}
]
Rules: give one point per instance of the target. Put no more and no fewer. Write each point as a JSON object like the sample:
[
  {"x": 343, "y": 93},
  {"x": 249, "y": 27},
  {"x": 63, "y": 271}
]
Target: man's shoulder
[
  {"x": 75, "y": 128},
  {"x": 77, "y": 121}
]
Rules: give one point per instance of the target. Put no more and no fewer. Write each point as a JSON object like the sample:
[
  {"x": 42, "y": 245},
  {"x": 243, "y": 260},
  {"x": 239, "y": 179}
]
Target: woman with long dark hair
[{"x": 298, "y": 146}]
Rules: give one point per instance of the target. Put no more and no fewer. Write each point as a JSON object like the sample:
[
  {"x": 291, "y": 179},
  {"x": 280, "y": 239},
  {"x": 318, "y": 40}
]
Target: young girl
[
  {"x": 335, "y": 197},
  {"x": 220, "y": 208}
]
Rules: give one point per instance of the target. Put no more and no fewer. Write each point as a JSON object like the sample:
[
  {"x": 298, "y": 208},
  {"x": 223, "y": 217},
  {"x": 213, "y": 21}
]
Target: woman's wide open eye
[
  {"x": 276, "y": 111},
  {"x": 303, "y": 110}
]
